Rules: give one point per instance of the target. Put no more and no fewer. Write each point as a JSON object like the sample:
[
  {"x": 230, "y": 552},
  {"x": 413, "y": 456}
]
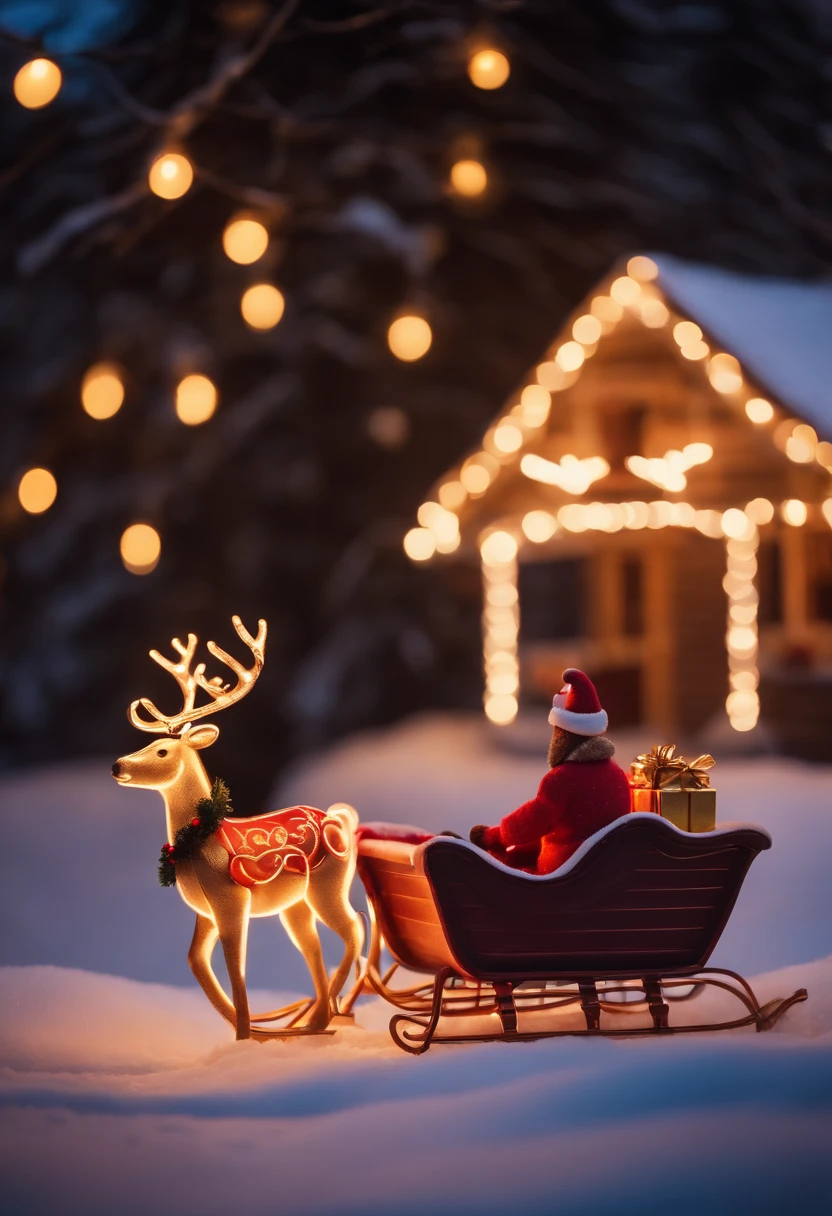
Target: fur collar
[{"x": 591, "y": 750}]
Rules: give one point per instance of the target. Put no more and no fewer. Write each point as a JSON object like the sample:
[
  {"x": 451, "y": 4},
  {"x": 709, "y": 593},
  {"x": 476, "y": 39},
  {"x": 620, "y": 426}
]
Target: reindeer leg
[
  {"x": 299, "y": 922},
  {"x": 341, "y": 918},
  {"x": 231, "y": 914},
  {"x": 199, "y": 960}
]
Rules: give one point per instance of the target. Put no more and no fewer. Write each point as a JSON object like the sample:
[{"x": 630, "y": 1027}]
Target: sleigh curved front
[{"x": 641, "y": 898}]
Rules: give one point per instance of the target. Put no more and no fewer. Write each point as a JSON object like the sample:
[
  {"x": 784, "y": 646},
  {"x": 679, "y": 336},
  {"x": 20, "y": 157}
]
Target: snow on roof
[{"x": 779, "y": 329}]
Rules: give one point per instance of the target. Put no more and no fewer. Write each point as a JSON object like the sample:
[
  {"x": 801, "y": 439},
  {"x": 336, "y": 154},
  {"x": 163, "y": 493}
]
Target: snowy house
[{"x": 654, "y": 503}]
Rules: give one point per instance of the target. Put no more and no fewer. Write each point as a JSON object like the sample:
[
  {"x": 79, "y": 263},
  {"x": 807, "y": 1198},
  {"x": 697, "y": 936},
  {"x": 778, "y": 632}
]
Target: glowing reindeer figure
[{"x": 296, "y": 863}]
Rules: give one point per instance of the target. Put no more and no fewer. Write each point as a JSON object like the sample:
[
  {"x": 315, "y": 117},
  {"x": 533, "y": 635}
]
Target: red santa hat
[{"x": 576, "y": 707}]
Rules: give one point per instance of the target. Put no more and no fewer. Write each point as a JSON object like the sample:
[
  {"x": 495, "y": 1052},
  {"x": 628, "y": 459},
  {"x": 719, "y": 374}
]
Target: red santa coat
[{"x": 576, "y": 798}]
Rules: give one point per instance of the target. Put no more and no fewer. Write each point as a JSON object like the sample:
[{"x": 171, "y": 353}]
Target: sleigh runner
[{"x": 641, "y": 904}]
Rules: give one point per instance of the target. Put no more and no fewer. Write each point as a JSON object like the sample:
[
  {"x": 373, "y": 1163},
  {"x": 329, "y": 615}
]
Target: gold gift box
[
  {"x": 663, "y": 783},
  {"x": 690, "y": 810}
]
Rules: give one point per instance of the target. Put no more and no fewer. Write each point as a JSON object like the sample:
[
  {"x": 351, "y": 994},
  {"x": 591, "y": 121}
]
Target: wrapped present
[{"x": 666, "y": 784}]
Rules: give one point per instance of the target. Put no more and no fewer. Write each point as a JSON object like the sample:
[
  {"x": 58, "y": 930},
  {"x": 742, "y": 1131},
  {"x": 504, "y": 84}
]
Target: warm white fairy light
[
  {"x": 668, "y": 471},
  {"x": 760, "y": 511},
  {"x": 801, "y": 444},
  {"x": 794, "y": 512},
  {"x": 501, "y": 624},
  {"x": 539, "y": 526},
  {"x": 102, "y": 390},
  {"x": 477, "y": 473},
  {"x": 625, "y": 290},
  {"x": 550, "y": 376},
  {"x": 654, "y": 313},
  {"x": 409, "y": 338},
  {"x": 171, "y": 175},
  {"x": 685, "y": 333},
  {"x": 607, "y": 310},
  {"x": 570, "y": 356},
  {"x": 442, "y": 524},
  {"x": 196, "y": 400},
  {"x": 468, "y": 178},
  {"x": 725, "y": 374},
  {"x": 419, "y": 545},
  {"x": 695, "y": 351},
  {"x": 262, "y": 306},
  {"x": 507, "y": 437},
  {"x": 642, "y": 268},
  {"x": 37, "y": 83},
  {"x": 586, "y": 330},
  {"x": 741, "y": 638},
  {"x": 452, "y": 494},
  {"x": 759, "y": 410},
  {"x": 488, "y": 68},
  {"x": 37, "y": 490},
  {"x": 571, "y": 474},
  {"x": 245, "y": 240},
  {"x": 535, "y": 403},
  {"x": 141, "y": 547}
]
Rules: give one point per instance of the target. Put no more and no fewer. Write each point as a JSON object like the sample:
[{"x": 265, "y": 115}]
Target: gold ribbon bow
[{"x": 661, "y": 768}]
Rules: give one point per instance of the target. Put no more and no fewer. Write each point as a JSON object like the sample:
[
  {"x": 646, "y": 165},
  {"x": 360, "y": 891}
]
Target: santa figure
[{"x": 583, "y": 791}]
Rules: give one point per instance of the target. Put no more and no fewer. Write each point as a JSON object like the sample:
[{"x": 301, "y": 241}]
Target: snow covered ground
[{"x": 121, "y": 1092}]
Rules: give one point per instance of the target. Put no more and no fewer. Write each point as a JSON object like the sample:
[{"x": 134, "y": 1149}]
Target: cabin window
[
  {"x": 632, "y": 599},
  {"x": 553, "y": 600},
  {"x": 768, "y": 583}
]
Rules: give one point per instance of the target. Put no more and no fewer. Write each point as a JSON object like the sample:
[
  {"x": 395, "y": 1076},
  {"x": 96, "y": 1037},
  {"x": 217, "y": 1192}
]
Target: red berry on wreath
[{"x": 194, "y": 823}]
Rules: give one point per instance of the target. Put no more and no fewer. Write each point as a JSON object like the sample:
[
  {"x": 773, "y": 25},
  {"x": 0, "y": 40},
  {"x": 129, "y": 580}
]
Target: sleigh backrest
[{"x": 640, "y": 898}]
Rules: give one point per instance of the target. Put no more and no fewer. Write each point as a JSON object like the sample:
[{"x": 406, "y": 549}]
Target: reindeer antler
[{"x": 222, "y": 695}]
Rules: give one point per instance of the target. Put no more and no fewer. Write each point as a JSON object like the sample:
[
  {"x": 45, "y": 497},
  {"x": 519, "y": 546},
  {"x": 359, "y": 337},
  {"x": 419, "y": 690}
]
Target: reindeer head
[{"x": 166, "y": 760}]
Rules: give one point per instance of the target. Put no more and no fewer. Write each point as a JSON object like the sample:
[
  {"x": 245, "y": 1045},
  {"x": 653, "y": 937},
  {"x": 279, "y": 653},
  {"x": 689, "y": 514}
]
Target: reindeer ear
[{"x": 201, "y": 736}]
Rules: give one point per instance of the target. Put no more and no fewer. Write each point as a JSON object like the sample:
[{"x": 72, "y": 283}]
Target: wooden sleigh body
[{"x": 625, "y": 926}]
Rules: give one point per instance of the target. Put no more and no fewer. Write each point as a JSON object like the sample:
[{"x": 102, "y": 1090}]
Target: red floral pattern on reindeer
[{"x": 296, "y": 839}]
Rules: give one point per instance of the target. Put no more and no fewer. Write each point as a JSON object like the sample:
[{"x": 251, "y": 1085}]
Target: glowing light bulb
[
  {"x": 570, "y": 356},
  {"x": 196, "y": 400},
  {"x": 140, "y": 548},
  {"x": 642, "y": 268},
  {"x": 498, "y": 548},
  {"x": 686, "y": 333},
  {"x": 245, "y": 240},
  {"x": 539, "y": 526},
  {"x": 419, "y": 545},
  {"x": 501, "y": 709},
  {"x": 695, "y": 350},
  {"x": 736, "y": 524},
  {"x": 37, "y": 83},
  {"x": 262, "y": 306},
  {"x": 488, "y": 69},
  {"x": 551, "y": 376},
  {"x": 508, "y": 437},
  {"x": 469, "y": 178},
  {"x": 102, "y": 390},
  {"x": 759, "y": 410},
  {"x": 586, "y": 330},
  {"x": 37, "y": 491},
  {"x": 452, "y": 495},
  {"x": 171, "y": 175},
  {"x": 409, "y": 338},
  {"x": 654, "y": 314},
  {"x": 606, "y": 309},
  {"x": 725, "y": 374},
  {"x": 760, "y": 511},
  {"x": 794, "y": 512},
  {"x": 625, "y": 290}
]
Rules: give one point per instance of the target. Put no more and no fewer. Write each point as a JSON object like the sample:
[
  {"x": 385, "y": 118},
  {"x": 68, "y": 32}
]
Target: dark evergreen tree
[{"x": 702, "y": 129}]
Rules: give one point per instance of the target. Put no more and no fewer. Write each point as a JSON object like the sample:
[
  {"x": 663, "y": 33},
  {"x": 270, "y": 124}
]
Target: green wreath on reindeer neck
[{"x": 208, "y": 815}]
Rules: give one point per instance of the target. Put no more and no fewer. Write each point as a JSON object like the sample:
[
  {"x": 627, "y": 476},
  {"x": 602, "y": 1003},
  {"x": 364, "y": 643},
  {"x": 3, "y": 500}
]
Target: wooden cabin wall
[{"x": 699, "y": 609}]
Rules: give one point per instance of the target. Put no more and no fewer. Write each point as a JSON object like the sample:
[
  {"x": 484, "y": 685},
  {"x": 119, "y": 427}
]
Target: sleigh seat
[{"x": 636, "y": 912}]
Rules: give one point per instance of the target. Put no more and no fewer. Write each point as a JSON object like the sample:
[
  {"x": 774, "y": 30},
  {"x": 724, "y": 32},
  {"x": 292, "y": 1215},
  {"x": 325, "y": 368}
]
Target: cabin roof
[{"x": 780, "y": 329}]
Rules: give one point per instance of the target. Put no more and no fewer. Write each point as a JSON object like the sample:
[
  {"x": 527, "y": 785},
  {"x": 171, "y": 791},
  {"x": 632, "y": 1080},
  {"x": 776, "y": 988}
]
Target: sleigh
[{"x": 625, "y": 927}]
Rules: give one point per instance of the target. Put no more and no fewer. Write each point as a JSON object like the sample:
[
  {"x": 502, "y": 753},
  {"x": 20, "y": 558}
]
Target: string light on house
[
  {"x": 452, "y": 495},
  {"x": 608, "y": 311},
  {"x": 642, "y": 268},
  {"x": 725, "y": 374},
  {"x": 102, "y": 390},
  {"x": 535, "y": 404},
  {"x": 245, "y": 240},
  {"x": 794, "y": 512},
  {"x": 668, "y": 471},
  {"x": 196, "y": 400},
  {"x": 419, "y": 545},
  {"x": 37, "y": 83},
  {"x": 409, "y": 338},
  {"x": 741, "y": 638},
  {"x": 759, "y": 410},
  {"x": 478, "y": 472},
  {"x": 37, "y": 490},
  {"x": 488, "y": 68},
  {"x": 442, "y": 524},
  {"x": 140, "y": 547},
  {"x": 539, "y": 526},
  {"x": 653, "y": 313},
  {"x": 570, "y": 356},
  {"x": 506, "y": 437},
  {"x": 570, "y": 474},
  {"x": 586, "y": 330},
  {"x": 468, "y": 178},
  {"x": 801, "y": 444},
  {"x": 171, "y": 175},
  {"x": 262, "y": 306},
  {"x": 625, "y": 290},
  {"x": 501, "y": 625},
  {"x": 760, "y": 511}
]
